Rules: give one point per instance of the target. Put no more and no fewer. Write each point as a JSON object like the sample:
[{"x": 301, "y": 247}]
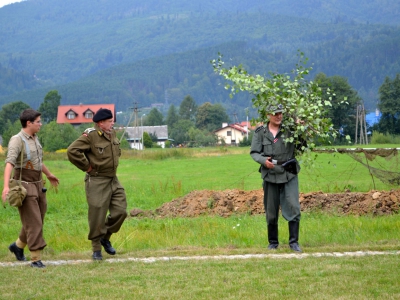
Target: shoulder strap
[
  {"x": 22, "y": 160},
  {"x": 28, "y": 152}
]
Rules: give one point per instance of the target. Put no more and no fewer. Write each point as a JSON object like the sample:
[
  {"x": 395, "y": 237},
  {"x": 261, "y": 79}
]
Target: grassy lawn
[{"x": 154, "y": 177}]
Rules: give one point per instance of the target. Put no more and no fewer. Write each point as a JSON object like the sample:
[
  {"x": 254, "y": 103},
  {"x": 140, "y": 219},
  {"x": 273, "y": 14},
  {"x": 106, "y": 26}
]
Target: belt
[{"x": 279, "y": 162}]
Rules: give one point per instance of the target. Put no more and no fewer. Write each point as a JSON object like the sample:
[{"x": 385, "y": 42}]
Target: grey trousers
[{"x": 284, "y": 195}]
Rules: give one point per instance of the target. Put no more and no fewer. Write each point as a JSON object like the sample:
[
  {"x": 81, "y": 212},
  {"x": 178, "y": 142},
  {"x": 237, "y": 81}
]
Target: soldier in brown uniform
[
  {"x": 97, "y": 153},
  {"x": 34, "y": 207}
]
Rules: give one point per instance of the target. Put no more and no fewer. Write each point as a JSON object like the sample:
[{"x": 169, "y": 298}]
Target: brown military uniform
[
  {"x": 103, "y": 191},
  {"x": 34, "y": 207}
]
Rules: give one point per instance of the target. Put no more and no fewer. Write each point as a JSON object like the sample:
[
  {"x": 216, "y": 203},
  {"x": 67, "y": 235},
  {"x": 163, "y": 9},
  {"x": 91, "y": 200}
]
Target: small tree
[
  {"x": 172, "y": 117},
  {"x": 147, "y": 141},
  {"x": 49, "y": 106},
  {"x": 304, "y": 108},
  {"x": 389, "y": 105},
  {"x": 10, "y": 130},
  {"x": 188, "y": 108},
  {"x": 55, "y": 136},
  {"x": 11, "y": 112},
  {"x": 180, "y": 132},
  {"x": 342, "y": 114},
  {"x": 154, "y": 118},
  {"x": 211, "y": 117}
]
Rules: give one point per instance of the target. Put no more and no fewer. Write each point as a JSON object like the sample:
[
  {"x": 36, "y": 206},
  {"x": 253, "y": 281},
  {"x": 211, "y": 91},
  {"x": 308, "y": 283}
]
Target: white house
[
  {"x": 135, "y": 135},
  {"x": 232, "y": 134}
]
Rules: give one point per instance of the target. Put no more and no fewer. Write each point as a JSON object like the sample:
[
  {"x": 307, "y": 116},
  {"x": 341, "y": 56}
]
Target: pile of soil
[{"x": 228, "y": 202}]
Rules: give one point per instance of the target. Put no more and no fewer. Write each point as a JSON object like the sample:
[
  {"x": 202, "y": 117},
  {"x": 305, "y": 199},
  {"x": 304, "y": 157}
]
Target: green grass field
[{"x": 153, "y": 177}]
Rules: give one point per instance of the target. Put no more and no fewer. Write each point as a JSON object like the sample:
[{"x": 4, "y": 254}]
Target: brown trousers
[
  {"x": 103, "y": 195},
  {"x": 33, "y": 209}
]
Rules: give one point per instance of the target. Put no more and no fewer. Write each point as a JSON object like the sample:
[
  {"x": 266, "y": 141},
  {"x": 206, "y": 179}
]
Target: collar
[
  {"x": 27, "y": 135},
  {"x": 101, "y": 132}
]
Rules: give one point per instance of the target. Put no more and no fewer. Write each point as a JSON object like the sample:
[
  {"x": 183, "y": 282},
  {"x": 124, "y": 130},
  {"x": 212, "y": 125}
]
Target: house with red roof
[
  {"x": 232, "y": 134},
  {"x": 81, "y": 114}
]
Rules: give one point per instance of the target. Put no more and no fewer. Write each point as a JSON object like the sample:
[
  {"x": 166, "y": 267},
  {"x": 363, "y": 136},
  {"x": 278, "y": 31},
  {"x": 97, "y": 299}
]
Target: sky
[{"x": 5, "y": 2}]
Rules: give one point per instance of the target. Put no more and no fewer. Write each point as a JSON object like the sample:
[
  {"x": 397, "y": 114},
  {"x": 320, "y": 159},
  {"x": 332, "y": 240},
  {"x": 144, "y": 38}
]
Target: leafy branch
[{"x": 304, "y": 108}]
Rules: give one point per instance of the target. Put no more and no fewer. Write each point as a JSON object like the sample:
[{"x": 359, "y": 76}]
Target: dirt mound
[{"x": 228, "y": 202}]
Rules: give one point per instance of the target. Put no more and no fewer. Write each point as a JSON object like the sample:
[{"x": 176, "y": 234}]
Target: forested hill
[{"x": 156, "y": 51}]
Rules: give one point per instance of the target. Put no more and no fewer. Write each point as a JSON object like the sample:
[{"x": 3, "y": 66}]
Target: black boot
[
  {"x": 273, "y": 236},
  {"x": 294, "y": 236},
  {"x": 18, "y": 252},
  {"x": 107, "y": 246}
]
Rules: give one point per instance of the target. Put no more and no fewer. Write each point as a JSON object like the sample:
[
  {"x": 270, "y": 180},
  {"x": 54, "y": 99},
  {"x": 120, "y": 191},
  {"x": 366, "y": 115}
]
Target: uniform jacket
[
  {"x": 264, "y": 145},
  {"x": 95, "y": 148}
]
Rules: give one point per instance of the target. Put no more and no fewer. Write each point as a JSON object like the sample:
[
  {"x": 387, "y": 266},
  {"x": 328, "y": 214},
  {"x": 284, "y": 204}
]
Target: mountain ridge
[{"x": 64, "y": 43}]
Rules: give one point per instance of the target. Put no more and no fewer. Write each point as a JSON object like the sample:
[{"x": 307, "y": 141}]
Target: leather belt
[{"x": 278, "y": 162}]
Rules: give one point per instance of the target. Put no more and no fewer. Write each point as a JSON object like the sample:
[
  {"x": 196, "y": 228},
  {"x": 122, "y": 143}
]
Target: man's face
[
  {"x": 106, "y": 125},
  {"x": 276, "y": 118},
  {"x": 34, "y": 126}
]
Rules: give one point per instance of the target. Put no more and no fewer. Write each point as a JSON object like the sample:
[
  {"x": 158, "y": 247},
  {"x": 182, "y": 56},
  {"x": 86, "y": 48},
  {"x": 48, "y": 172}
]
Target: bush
[{"x": 380, "y": 138}]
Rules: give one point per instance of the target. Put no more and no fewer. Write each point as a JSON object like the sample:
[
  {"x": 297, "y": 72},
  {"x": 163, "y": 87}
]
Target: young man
[
  {"x": 34, "y": 206},
  {"x": 97, "y": 153},
  {"x": 281, "y": 187}
]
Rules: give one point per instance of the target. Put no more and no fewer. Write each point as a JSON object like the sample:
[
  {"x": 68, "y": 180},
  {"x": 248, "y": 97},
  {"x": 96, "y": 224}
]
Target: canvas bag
[{"x": 17, "y": 193}]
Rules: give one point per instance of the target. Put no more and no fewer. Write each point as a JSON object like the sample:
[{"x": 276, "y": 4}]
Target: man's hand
[
  {"x": 269, "y": 164},
  {"x": 53, "y": 180},
  {"x": 4, "y": 195}
]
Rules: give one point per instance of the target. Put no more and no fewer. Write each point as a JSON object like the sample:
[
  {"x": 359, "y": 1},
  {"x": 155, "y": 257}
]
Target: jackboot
[
  {"x": 273, "y": 236},
  {"x": 294, "y": 236}
]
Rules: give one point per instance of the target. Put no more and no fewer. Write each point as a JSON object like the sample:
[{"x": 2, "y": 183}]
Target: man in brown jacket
[{"x": 97, "y": 153}]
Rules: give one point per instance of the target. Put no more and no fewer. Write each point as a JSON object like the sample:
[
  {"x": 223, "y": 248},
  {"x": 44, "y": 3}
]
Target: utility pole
[
  {"x": 247, "y": 122},
  {"x": 361, "y": 125},
  {"x": 134, "y": 113}
]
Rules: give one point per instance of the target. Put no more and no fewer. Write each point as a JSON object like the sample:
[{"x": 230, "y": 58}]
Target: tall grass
[
  {"x": 150, "y": 181},
  {"x": 154, "y": 177},
  {"x": 384, "y": 138}
]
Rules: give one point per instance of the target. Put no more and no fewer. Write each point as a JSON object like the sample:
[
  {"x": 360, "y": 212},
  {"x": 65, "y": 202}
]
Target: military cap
[
  {"x": 102, "y": 114},
  {"x": 275, "y": 108}
]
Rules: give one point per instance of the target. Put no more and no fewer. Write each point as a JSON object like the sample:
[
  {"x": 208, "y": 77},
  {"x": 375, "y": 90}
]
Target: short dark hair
[{"x": 28, "y": 115}]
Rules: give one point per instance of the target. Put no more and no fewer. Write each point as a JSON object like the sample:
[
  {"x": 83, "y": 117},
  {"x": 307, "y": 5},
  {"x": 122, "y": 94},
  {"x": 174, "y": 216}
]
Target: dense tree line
[{"x": 194, "y": 125}]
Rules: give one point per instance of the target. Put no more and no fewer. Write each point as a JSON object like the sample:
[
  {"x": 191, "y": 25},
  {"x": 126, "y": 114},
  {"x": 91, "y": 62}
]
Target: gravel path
[{"x": 208, "y": 257}]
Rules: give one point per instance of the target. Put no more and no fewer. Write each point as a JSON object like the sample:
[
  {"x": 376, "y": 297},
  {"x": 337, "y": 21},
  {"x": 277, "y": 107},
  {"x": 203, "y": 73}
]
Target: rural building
[
  {"x": 232, "y": 134},
  {"x": 134, "y": 135},
  {"x": 81, "y": 114}
]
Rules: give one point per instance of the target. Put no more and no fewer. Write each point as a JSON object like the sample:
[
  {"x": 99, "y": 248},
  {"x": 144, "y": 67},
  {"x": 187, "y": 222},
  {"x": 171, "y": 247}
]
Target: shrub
[{"x": 380, "y": 138}]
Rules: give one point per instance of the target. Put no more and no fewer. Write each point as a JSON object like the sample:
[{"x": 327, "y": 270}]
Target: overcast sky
[{"x": 5, "y": 2}]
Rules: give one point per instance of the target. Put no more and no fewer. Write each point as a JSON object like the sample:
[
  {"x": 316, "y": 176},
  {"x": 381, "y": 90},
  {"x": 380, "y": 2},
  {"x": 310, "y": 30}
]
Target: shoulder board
[
  {"x": 89, "y": 130},
  {"x": 260, "y": 128}
]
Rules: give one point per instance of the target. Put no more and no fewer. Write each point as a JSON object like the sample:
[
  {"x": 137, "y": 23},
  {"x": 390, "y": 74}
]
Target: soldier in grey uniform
[
  {"x": 97, "y": 153},
  {"x": 280, "y": 184},
  {"x": 34, "y": 207}
]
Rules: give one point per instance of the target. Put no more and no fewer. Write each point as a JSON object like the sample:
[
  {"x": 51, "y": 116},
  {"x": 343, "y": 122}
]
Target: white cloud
[{"x": 5, "y": 2}]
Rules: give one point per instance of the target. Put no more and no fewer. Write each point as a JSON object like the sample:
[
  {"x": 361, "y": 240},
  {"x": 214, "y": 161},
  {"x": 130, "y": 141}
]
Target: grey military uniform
[{"x": 280, "y": 186}]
